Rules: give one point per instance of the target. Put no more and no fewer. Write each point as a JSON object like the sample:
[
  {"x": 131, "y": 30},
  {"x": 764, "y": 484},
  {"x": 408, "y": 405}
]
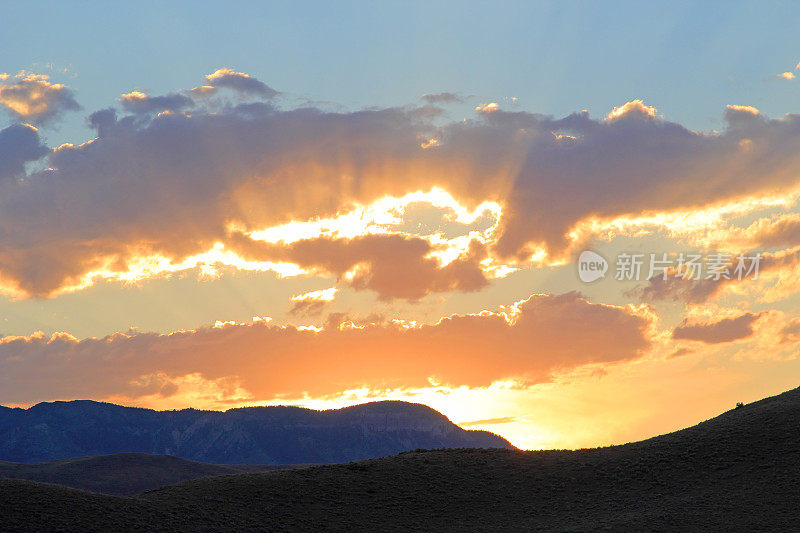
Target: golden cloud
[
  {"x": 527, "y": 341},
  {"x": 32, "y": 97}
]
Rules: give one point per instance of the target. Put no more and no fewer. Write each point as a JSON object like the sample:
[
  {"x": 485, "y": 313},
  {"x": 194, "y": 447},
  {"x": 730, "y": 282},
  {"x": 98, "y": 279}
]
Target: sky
[{"x": 217, "y": 205}]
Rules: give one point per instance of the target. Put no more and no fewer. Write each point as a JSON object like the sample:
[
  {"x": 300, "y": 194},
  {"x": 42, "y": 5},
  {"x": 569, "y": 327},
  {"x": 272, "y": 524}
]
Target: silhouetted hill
[
  {"x": 736, "y": 472},
  {"x": 123, "y": 474},
  {"x": 254, "y": 435}
]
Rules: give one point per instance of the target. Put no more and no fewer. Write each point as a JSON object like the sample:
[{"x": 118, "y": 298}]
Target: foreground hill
[
  {"x": 254, "y": 435},
  {"x": 122, "y": 474},
  {"x": 736, "y": 472}
]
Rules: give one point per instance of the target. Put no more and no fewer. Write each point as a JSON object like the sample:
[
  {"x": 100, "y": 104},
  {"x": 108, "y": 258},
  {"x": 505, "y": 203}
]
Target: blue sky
[{"x": 689, "y": 59}]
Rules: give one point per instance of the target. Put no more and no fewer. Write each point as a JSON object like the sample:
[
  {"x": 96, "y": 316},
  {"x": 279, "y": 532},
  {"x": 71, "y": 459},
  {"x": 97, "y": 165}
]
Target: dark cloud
[
  {"x": 103, "y": 120},
  {"x": 394, "y": 266},
  {"x": 678, "y": 289},
  {"x": 637, "y": 162},
  {"x": 307, "y": 307},
  {"x": 791, "y": 331},
  {"x": 203, "y": 91},
  {"x": 139, "y": 102},
  {"x": 19, "y": 144},
  {"x": 680, "y": 352},
  {"x": 725, "y": 330},
  {"x": 549, "y": 333},
  {"x": 311, "y": 303},
  {"x": 443, "y": 98}
]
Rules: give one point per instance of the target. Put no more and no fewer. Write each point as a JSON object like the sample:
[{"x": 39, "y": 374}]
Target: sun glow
[
  {"x": 382, "y": 217},
  {"x": 697, "y": 225},
  {"x": 459, "y": 404},
  {"x": 209, "y": 265},
  {"x": 322, "y": 295},
  {"x": 372, "y": 219}
]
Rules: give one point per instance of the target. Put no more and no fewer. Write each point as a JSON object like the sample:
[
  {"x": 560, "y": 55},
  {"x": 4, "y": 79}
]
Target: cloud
[
  {"x": 33, "y": 98},
  {"x": 777, "y": 231},
  {"x": 203, "y": 91},
  {"x": 680, "y": 352},
  {"x": 776, "y": 276},
  {"x": 312, "y": 303},
  {"x": 735, "y": 108},
  {"x": 636, "y": 108},
  {"x": 19, "y": 144},
  {"x": 678, "y": 289},
  {"x": 527, "y": 341},
  {"x": 167, "y": 188},
  {"x": 791, "y": 331},
  {"x": 491, "y": 107},
  {"x": 394, "y": 266},
  {"x": 178, "y": 181},
  {"x": 139, "y": 102},
  {"x": 725, "y": 330},
  {"x": 443, "y": 98},
  {"x": 488, "y": 421},
  {"x": 787, "y": 75},
  {"x": 637, "y": 163},
  {"x": 238, "y": 81}
]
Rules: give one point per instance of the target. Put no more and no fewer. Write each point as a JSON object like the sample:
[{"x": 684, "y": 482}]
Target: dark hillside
[
  {"x": 736, "y": 472},
  {"x": 123, "y": 474}
]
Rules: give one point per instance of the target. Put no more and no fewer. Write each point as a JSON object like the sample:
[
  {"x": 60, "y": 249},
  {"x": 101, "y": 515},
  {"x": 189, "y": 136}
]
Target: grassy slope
[
  {"x": 735, "y": 472},
  {"x": 123, "y": 474}
]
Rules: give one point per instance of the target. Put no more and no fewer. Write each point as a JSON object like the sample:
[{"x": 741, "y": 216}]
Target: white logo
[{"x": 591, "y": 266}]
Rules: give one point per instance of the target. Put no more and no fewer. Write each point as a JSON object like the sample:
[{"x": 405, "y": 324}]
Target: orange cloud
[
  {"x": 203, "y": 91},
  {"x": 312, "y": 303},
  {"x": 725, "y": 330},
  {"x": 394, "y": 266},
  {"x": 527, "y": 341},
  {"x": 777, "y": 231},
  {"x": 491, "y": 107},
  {"x": 488, "y": 421},
  {"x": 748, "y": 109}
]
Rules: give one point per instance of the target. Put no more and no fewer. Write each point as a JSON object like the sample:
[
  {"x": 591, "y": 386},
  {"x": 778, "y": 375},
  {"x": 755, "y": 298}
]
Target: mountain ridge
[{"x": 248, "y": 435}]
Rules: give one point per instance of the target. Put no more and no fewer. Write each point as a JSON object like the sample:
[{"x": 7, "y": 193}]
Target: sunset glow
[{"x": 324, "y": 220}]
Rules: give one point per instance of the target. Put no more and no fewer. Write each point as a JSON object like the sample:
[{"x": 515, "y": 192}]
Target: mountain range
[{"x": 275, "y": 435}]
